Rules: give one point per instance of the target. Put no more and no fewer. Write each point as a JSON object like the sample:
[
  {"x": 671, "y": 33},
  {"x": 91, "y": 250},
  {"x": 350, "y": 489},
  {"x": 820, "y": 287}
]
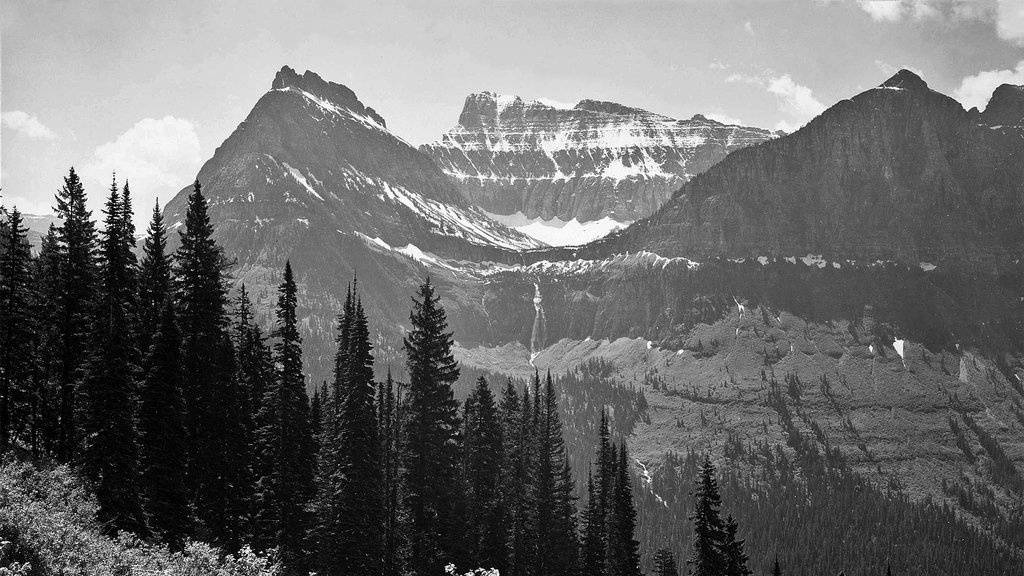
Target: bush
[{"x": 48, "y": 520}]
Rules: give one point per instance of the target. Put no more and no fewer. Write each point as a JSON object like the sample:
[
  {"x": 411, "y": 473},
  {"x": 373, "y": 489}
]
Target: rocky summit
[{"x": 591, "y": 161}]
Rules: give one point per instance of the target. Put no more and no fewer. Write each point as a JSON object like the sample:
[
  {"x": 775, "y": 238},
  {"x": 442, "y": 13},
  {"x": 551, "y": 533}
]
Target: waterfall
[{"x": 537, "y": 334}]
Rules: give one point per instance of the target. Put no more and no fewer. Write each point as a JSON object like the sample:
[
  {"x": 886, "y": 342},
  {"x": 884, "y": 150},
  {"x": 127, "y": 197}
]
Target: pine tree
[
  {"x": 154, "y": 279},
  {"x": 46, "y": 290},
  {"x": 77, "y": 282},
  {"x": 594, "y": 553},
  {"x": 17, "y": 358},
  {"x": 162, "y": 435},
  {"x": 665, "y": 563},
  {"x": 707, "y": 559},
  {"x": 554, "y": 514},
  {"x": 483, "y": 450},
  {"x": 776, "y": 571},
  {"x": 514, "y": 474},
  {"x": 284, "y": 481},
  {"x": 732, "y": 551},
  {"x": 623, "y": 548},
  {"x": 214, "y": 420},
  {"x": 389, "y": 418},
  {"x": 431, "y": 438},
  {"x": 110, "y": 457}
]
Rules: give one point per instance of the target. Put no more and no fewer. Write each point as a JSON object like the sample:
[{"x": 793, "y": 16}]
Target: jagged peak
[
  {"x": 907, "y": 80},
  {"x": 312, "y": 83},
  {"x": 1006, "y": 106}
]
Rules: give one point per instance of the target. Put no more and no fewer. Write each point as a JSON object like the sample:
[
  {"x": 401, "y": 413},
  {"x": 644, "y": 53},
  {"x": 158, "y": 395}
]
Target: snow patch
[{"x": 556, "y": 232}]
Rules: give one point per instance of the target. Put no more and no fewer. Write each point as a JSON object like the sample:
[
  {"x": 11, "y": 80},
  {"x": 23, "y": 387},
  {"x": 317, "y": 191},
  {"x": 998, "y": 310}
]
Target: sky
[{"x": 150, "y": 89}]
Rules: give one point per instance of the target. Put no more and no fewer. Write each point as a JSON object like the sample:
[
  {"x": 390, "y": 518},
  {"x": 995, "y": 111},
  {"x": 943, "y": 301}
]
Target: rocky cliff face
[
  {"x": 594, "y": 160},
  {"x": 314, "y": 176},
  {"x": 898, "y": 172}
]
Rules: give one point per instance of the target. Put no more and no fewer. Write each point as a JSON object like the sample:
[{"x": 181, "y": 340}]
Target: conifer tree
[
  {"x": 732, "y": 551},
  {"x": 665, "y": 563},
  {"x": 154, "y": 279},
  {"x": 17, "y": 356},
  {"x": 707, "y": 558},
  {"x": 77, "y": 283},
  {"x": 553, "y": 504},
  {"x": 776, "y": 570},
  {"x": 483, "y": 450},
  {"x": 110, "y": 457},
  {"x": 162, "y": 435},
  {"x": 623, "y": 548},
  {"x": 514, "y": 477},
  {"x": 284, "y": 481},
  {"x": 594, "y": 546},
  {"x": 389, "y": 418},
  {"x": 46, "y": 290},
  {"x": 431, "y": 438},
  {"x": 215, "y": 425}
]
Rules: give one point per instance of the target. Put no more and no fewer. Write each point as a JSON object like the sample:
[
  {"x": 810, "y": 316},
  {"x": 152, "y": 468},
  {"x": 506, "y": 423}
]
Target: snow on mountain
[
  {"x": 586, "y": 162},
  {"x": 556, "y": 232}
]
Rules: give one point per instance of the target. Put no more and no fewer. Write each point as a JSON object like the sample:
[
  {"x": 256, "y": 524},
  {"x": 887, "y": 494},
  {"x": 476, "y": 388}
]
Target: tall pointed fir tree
[
  {"x": 351, "y": 539},
  {"x": 214, "y": 419},
  {"x": 77, "y": 281},
  {"x": 17, "y": 352},
  {"x": 110, "y": 456},
  {"x": 514, "y": 473},
  {"x": 389, "y": 402},
  {"x": 154, "y": 279},
  {"x": 482, "y": 443},
  {"x": 593, "y": 551},
  {"x": 46, "y": 294},
  {"x": 623, "y": 548},
  {"x": 553, "y": 501},
  {"x": 707, "y": 559},
  {"x": 162, "y": 440},
  {"x": 732, "y": 550},
  {"x": 665, "y": 563},
  {"x": 284, "y": 482},
  {"x": 431, "y": 439}
]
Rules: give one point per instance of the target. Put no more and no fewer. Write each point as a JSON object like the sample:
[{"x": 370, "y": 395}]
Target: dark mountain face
[
  {"x": 899, "y": 172},
  {"x": 597, "y": 159},
  {"x": 1006, "y": 107}
]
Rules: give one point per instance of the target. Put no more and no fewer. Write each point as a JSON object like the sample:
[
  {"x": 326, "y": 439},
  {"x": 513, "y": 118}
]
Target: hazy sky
[{"x": 152, "y": 88}]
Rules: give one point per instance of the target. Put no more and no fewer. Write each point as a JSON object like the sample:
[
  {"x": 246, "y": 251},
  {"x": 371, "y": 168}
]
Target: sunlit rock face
[{"x": 590, "y": 161}]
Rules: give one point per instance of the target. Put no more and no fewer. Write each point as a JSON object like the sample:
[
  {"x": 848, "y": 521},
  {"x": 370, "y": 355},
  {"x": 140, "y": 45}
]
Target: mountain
[
  {"x": 899, "y": 172},
  {"x": 597, "y": 161},
  {"x": 846, "y": 294},
  {"x": 1006, "y": 107},
  {"x": 314, "y": 176}
]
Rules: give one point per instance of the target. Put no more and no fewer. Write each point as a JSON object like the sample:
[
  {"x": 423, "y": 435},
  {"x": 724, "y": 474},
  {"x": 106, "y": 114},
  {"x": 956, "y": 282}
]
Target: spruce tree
[
  {"x": 431, "y": 440},
  {"x": 110, "y": 457},
  {"x": 776, "y": 570},
  {"x": 593, "y": 554},
  {"x": 17, "y": 358},
  {"x": 707, "y": 558},
  {"x": 284, "y": 482},
  {"x": 665, "y": 563},
  {"x": 162, "y": 435},
  {"x": 46, "y": 290},
  {"x": 154, "y": 279},
  {"x": 514, "y": 475},
  {"x": 77, "y": 282},
  {"x": 483, "y": 451},
  {"x": 732, "y": 551},
  {"x": 554, "y": 513},
  {"x": 623, "y": 548},
  {"x": 389, "y": 418},
  {"x": 214, "y": 420}
]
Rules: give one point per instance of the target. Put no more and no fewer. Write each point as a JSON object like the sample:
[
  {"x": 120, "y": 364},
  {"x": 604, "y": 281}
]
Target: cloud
[
  {"x": 157, "y": 156},
  {"x": 1010, "y": 21},
  {"x": 27, "y": 125},
  {"x": 26, "y": 205},
  {"x": 795, "y": 100},
  {"x": 748, "y": 27},
  {"x": 883, "y": 10},
  {"x": 976, "y": 90}
]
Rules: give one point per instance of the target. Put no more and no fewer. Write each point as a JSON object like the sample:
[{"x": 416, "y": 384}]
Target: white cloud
[
  {"x": 158, "y": 157},
  {"x": 26, "y": 205},
  {"x": 748, "y": 27},
  {"x": 883, "y": 10},
  {"x": 27, "y": 125},
  {"x": 794, "y": 99},
  {"x": 1010, "y": 21},
  {"x": 976, "y": 90}
]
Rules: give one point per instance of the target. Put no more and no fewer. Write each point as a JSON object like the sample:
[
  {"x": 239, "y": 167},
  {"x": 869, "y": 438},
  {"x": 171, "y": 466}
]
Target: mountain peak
[
  {"x": 1006, "y": 107},
  {"x": 312, "y": 83},
  {"x": 610, "y": 108},
  {"x": 905, "y": 79}
]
